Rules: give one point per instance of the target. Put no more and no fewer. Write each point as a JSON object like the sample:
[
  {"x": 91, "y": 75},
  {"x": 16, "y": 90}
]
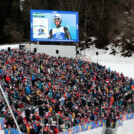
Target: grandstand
[{"x": 53, "y": 94}]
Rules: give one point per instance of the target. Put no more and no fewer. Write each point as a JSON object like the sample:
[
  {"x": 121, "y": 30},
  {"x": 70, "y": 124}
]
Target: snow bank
[
  {"x": 11, "y": 46},
  {"x": 116, "y": 63},
  {"x": 2, "y": 132},
  {"x": 127, "y": 128}
]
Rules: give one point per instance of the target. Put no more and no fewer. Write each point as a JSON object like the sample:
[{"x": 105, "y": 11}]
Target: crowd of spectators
[{"x": 60, "y": 92}]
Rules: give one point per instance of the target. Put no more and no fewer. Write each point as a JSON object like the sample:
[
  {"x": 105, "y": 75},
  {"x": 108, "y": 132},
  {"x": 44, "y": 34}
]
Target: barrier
[
  {"x": 86, "y": 127},
  {"x": 12, "y": 131},
  {"x": 1, "y": 124},
  {"x": 127, "y": 117},
  {"x": 94, "y": 125}
]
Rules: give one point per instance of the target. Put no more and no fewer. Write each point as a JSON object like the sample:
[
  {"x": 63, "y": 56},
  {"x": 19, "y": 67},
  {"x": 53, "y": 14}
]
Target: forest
[{"x": 110, "y": 21}]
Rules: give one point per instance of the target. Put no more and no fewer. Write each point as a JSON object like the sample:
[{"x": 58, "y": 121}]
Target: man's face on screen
[{"x": 57, "y": 23}]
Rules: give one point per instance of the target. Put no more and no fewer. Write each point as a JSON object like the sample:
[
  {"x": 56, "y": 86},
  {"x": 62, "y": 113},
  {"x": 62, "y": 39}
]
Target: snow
[
  {"x": 116, "y": 63},
  {"x": 127, "y": 128},
  {"x": 2, "y": 132},
  {"x": 93, "y": 38},
  {"x": 15, "y": 46},
  {"x": 83, "y": 42}
]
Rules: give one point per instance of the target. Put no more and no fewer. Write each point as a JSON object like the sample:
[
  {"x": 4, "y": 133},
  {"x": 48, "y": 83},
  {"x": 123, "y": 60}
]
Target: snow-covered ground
[
  {"x": 116, "y": 63},
  {"x": 15, "y": 46},
  {"x": 127, "y": 128}
]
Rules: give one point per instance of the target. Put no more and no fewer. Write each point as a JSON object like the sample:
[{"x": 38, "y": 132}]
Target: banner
[
  {"x": 12, "y": 131},
  {"x": 1, "y": 123},
  {"x": 93, "y": 125},
  {"x": 120, "y": 123},
  {"x": 127, "y": 116},
  {"x": 86, "y": 127},
  {"x": 54, "y": 26}
]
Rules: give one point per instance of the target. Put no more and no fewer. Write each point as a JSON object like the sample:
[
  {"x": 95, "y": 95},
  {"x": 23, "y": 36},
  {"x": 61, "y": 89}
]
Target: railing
[{"x": 10, "y": 109}]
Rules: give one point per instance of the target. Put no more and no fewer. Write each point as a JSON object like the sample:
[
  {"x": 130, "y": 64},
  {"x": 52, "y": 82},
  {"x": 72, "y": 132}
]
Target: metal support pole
[
  {"x": 86, "y": 100},
  {"x": 42, "y": 125},
  {"x": 84, "y": 114},
  {"x": 97, "y": 59},
  {"x": 70, "y": 122},
  {"x": 100, "y": 110},
  {"x": 76, "y": 50},
  {"x": 38, "y": 43},
  {"x": 84, "y": 51},
  {"x": 42, "y": 128},
  {"x": 10, "y": 109},
  {"x": 58, "y": 122}
]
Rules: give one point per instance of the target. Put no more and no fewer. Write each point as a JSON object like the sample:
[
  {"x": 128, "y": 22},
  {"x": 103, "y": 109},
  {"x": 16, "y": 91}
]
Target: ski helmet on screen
[{"x": 57, "y": 17}]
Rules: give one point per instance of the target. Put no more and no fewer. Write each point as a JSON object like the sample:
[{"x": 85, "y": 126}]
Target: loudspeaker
[
  {"x": 9, "y": 49},
  {"x": 77, "y": 52},
  {"x": 35, "y": 50},
  {"x": 21, "y": 47},
  {"x": 97, "y": 53},
  {"x": 57, "y": 51}
]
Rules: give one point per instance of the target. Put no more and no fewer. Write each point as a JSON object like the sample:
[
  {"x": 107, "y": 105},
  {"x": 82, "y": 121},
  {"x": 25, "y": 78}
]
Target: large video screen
[{"x": 55, "y": 26}]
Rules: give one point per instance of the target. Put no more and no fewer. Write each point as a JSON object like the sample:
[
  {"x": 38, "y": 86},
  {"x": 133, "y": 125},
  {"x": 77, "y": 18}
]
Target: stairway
[{"x": 109, "y": 131}]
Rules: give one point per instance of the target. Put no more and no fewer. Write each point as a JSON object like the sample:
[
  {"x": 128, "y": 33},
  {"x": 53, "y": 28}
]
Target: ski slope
[{"x": 127, "y": 128}]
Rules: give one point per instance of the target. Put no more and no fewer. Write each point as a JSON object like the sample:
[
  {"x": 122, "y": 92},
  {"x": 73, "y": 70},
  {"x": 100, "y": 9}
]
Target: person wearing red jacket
[
  {"x": 7, "y": 78},
  {"x": 55, "y": 130}
]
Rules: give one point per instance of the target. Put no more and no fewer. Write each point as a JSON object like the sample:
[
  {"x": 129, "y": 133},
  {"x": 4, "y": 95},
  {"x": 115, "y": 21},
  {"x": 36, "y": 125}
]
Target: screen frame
[{"x": 54, "y": 12}]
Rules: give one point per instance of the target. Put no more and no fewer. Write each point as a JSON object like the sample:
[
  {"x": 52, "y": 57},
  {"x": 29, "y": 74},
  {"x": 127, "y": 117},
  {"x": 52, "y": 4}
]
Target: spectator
[{"x": 68, "y": 90}]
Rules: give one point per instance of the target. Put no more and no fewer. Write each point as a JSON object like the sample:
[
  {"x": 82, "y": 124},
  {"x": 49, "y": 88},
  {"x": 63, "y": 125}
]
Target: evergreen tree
[
  {"x": 5, "y": 12},
  {"x": 12, "y": 26}
]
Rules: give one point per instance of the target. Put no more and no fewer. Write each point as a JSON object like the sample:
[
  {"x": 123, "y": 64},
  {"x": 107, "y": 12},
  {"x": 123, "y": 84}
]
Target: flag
[
  {"x": 12, "y": 131},
  {"x": 80, "y": 127},
  {"x": 9, "y": 132},
  {"x": 89, "y": 127},
  {"x": 23, "y": 114},
  {"x": 1, "y": 123},
  {"x": 124, "y": 117},
  {"x": 0, "y": 126},
  {"x": 103, "y": 124}
]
